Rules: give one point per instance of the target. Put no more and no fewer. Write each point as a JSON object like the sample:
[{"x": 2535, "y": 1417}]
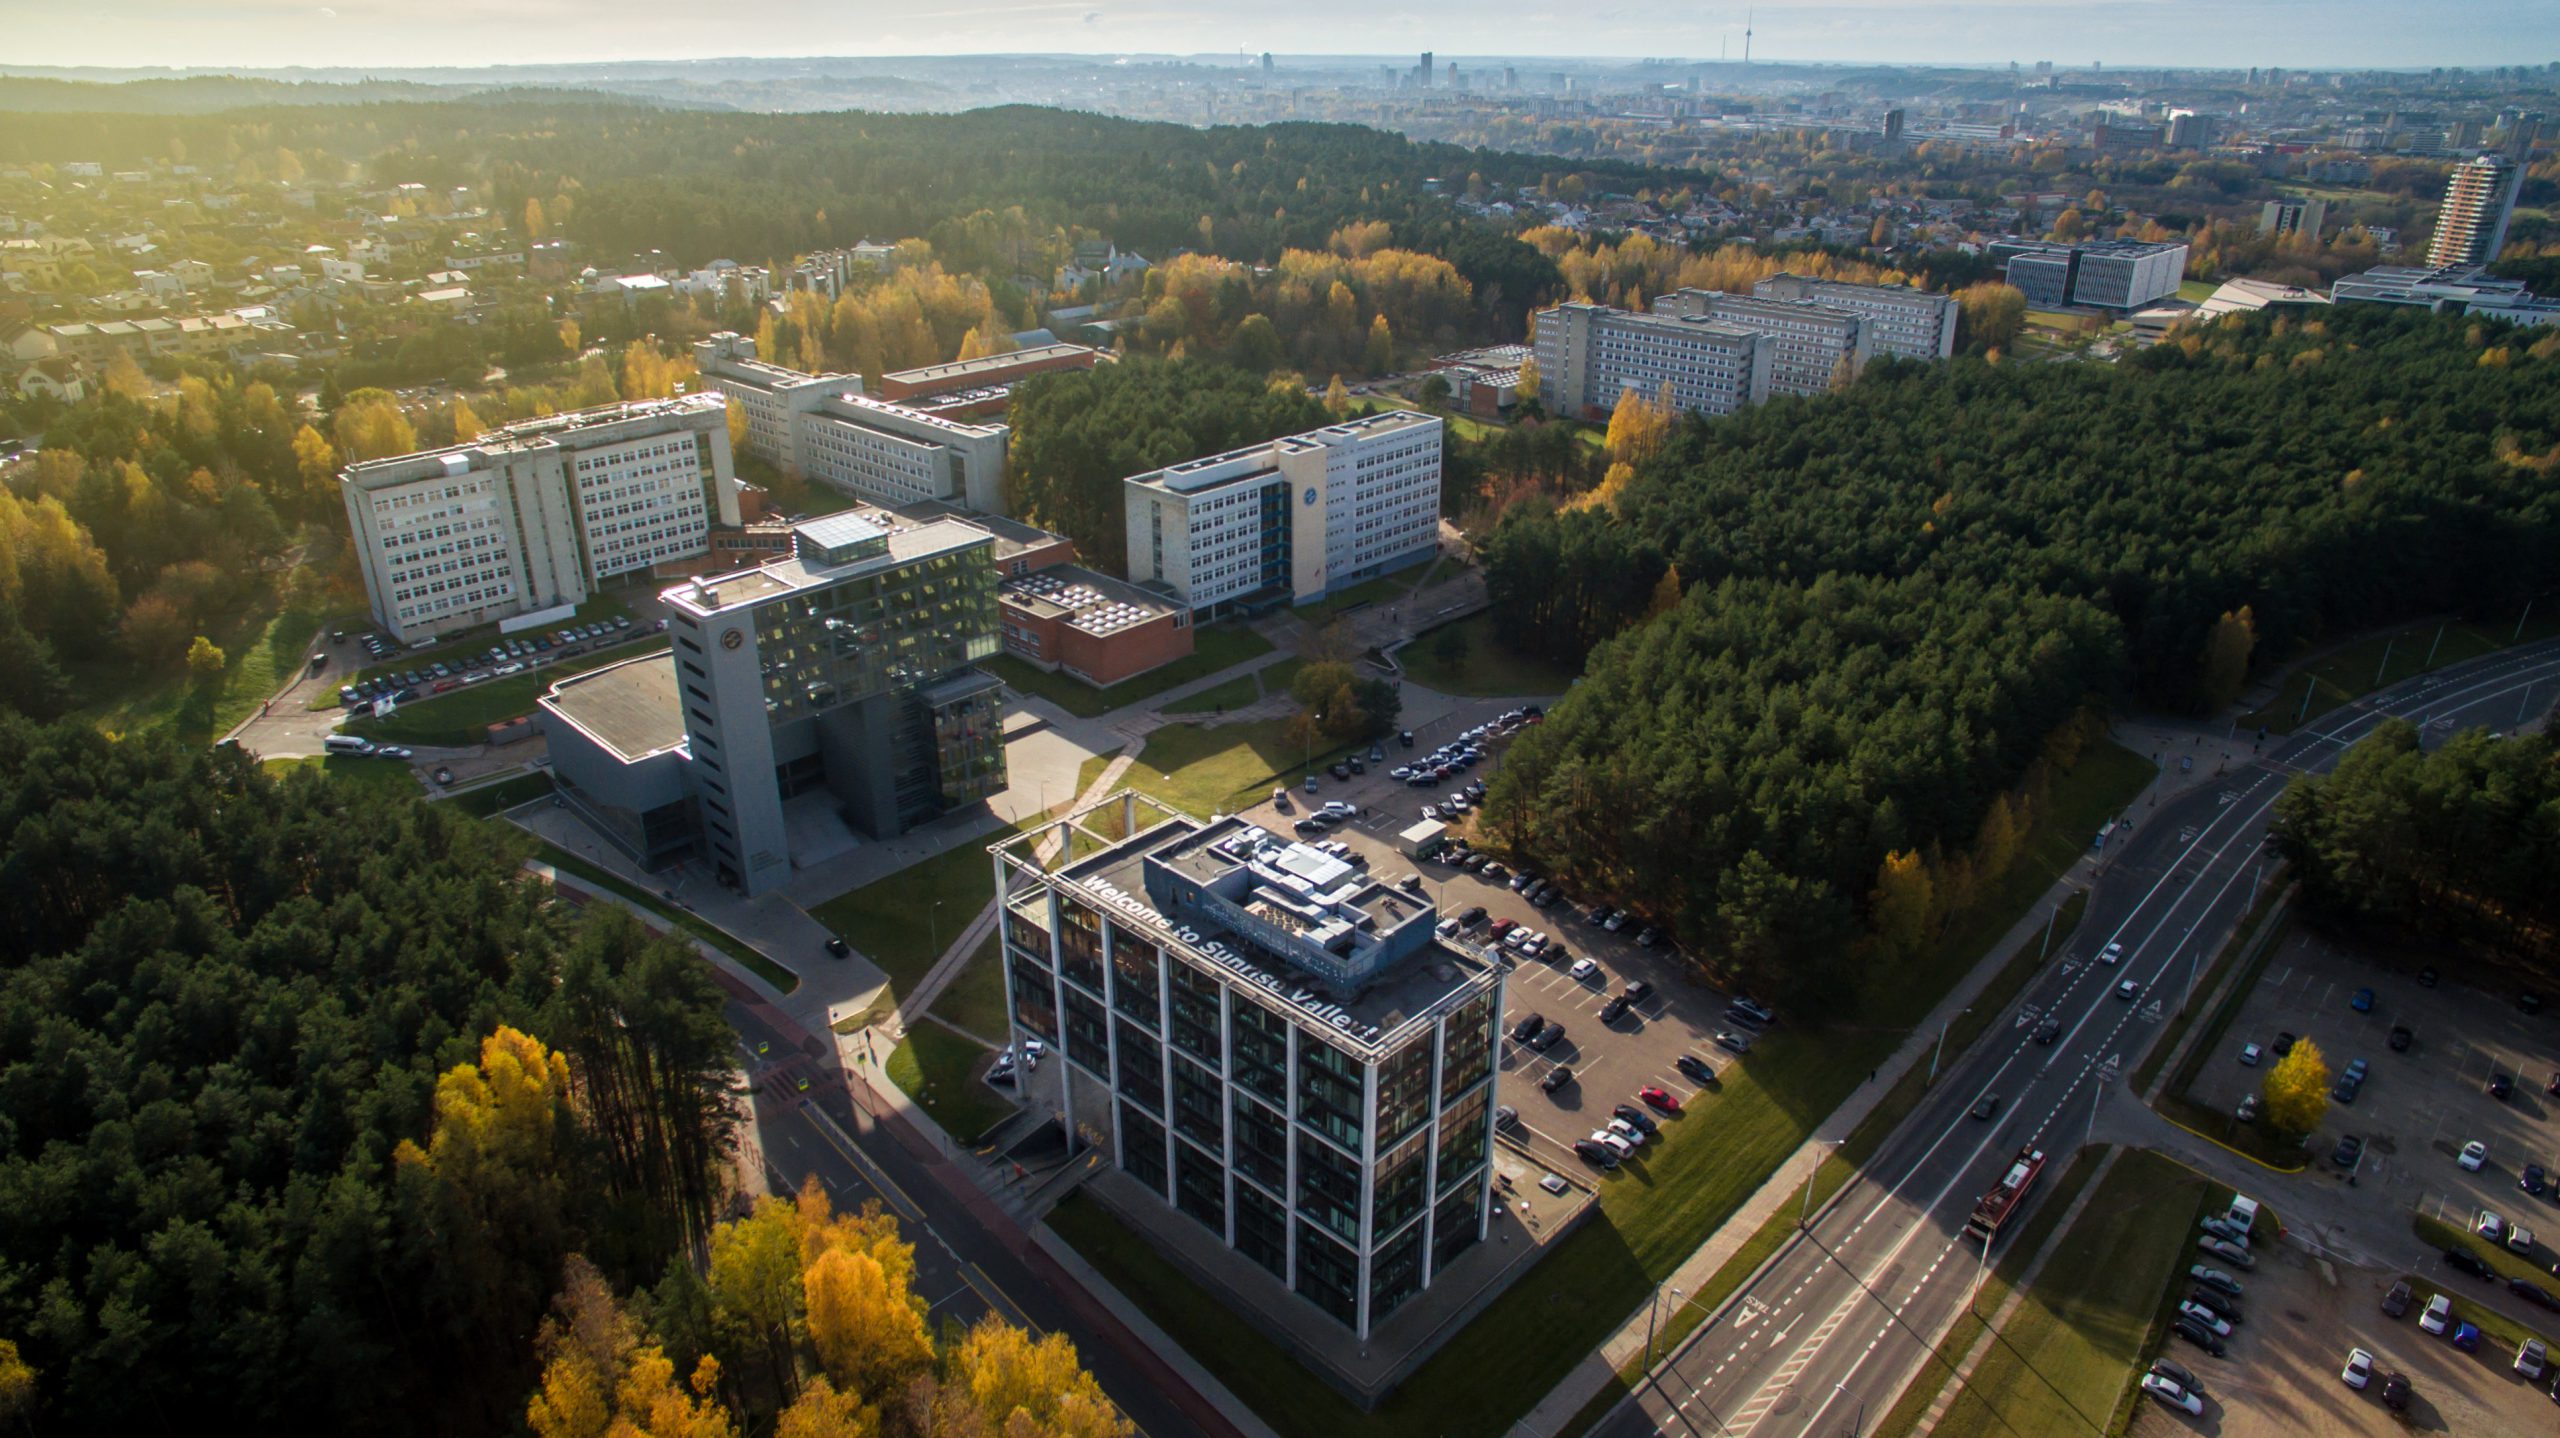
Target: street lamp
[
  {"x": 1653, "y": 1318},
  {"x": 1942, "y": 1045},
  {"x": 1805, "y": 1211},
  {"x": 933, "y": 930}
]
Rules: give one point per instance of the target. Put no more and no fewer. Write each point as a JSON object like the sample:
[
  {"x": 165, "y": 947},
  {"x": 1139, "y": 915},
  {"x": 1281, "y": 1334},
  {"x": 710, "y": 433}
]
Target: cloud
[
  {"x": 327, "y": 14},
  {"x": 1093, "y": 17}
]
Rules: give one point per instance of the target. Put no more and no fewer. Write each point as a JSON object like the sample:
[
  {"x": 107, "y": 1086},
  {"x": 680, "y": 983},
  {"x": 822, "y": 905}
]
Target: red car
[
  {"x": 1502, "y": 927},
  {"x": 1660, "y": 1098}
]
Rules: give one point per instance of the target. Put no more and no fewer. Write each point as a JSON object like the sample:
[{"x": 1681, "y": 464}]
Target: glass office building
[{"x": 1272, "y": 1042}]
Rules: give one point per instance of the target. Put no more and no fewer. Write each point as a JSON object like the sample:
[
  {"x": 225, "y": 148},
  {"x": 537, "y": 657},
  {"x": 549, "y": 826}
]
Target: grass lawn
[
  {"x": 2196, "y": 291},
  {"x": 934, "y": 1066},
  {"x": 1218, "y": 698},
  {"x": 1214, "y": 647},
  {"x": 2437, "y": 1233},
  {"x": 901, "y": 918},
  {"x": 490, "y": 800},
  {"x": 2380, "y": 660},
  {"x": 974, "y": 999},
  {"x": 1652, "y": 1217},
  {"x": 2256, "y": 1140},
  {"x": 1381, "y": 590},
  {"x": 2016, "y": 1252},
  {"x": 264, "y": 651},
  {"x": 598, "y": 609},
  {"x": 2063, "y": 1361},
  {"x": 2500, "y": 1330},
  {"x": 780, "y": 978},
  {"x": 462, "y": 717},
  {"x": 383, "y": 776},
  {"x": 1483, "y": 666},
  {"x": 1205, "y": 769}
]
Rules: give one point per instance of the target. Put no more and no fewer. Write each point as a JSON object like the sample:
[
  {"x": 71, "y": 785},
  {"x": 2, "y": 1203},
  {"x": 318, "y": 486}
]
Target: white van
[
  {"x": 347, "y": 744},
  {"x": 2243, "y": 1214}
]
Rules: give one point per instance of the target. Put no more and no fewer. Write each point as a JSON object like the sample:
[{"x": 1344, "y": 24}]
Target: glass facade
[
  {"x": 1256, "y": 1123},
  {"x": 894, "y": 630},
  {"x": 968, "y": 747}
]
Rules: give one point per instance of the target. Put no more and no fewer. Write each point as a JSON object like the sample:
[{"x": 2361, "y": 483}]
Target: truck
[{"x": 1994, "y": 1209}]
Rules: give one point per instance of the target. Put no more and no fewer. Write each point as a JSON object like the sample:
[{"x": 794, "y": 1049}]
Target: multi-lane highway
[{"x": 1832, "y": 1331}]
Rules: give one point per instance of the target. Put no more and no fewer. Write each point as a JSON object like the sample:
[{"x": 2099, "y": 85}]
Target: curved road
[{"x": 1832, "y": 1332}]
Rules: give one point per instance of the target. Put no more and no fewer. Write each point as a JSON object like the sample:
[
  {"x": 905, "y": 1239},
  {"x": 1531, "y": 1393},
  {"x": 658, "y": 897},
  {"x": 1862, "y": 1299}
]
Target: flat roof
[
  {"x": 1095, "y": 603},
  {"x": 983, "y": 364},
  {"x": 1414, "y": 988},
  {"x": 632, "y": 708},
  {"x": 729, "y": 593}
]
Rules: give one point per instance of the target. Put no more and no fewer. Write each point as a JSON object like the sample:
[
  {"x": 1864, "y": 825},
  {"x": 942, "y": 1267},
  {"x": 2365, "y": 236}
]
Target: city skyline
[{"x": 269, "y": 34}]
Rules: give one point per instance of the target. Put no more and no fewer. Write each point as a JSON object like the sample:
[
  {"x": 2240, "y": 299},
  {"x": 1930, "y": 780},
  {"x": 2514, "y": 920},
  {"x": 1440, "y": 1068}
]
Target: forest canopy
[
  {"x": 1897, "y": 592},
  {"x": 305, "y": 1097}
]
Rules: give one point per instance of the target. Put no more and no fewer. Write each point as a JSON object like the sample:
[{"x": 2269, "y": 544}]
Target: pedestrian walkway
[{"x": 1786, "y": 1186}]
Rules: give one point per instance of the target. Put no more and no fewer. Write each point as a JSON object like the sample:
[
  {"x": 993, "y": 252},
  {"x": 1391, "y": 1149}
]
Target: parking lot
[
  {"x": 2419, "y": 1106},
  {"x": 2279, "y": 1375},
  {"x": 1611, "y": 1062}
]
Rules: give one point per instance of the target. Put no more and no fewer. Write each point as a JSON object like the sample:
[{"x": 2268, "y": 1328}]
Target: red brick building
[
  {"x": 988, "y": 373},
  {"x": 1099, "y": 629}
]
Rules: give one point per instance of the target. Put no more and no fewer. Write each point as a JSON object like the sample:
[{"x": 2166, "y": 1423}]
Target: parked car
[
  {"x": 2529, "y": 1358},
  {"x": 2247, "y": 1112},
  {"x": 2199, "y": 1335},
  {"x": 1695, "y": 1068},
  {"x": 2350, "y": 1148},
  {"x": 2395, "y": 1391},
  {"x": 2177, "y": 1373},
  {"x": 2215, "y": 1278},
  {"x": 2466, "y": 1336},
  {"x": 2474, "y": 1154},
  {"x": 1527, "y": 1029},
  {"x": 2283, "y": 1044},
  {"x": 1732, "y": 1042},
  {"x": 2532, "y": 1292},
  {"x": 1613, "y": 1010},
  {"x": 1659, "y": 1097},
  {"x": 2221, "y": 1303},
  {"x": 1598, "y": 1155},
  {"x": 2169, "y": 1394},
  {"x": 2249, "y": 1055},
  {"x": 2227, "y": 1251},
  {"x": 2501, "y": 1086},
  {"x": 2437, "y": 1316},
  {"x": 2225, "y": 1230},
  {"x": 2396, "y": 1302},
  {"x": 1635, "y": 1135},
  {"x": 2359, "y": 1369},
  {"x": 1617, "y": 1144},
  {"x": 1556, "y": 1078},
  {"x": 1583, "y": 970},
  {"x": 1636, "y": 991},
  {"x": 2519, "y": 1238},
  {"x": 2489, "y": 1225},
  {"x": 2190, "y": 1311},
  {"x": 2468, "y": 1262},
  {"x": 2400, "y": 1039},
  {"x": 2361, "y": 1001},
  {"x": 1547, "y": 1038}
]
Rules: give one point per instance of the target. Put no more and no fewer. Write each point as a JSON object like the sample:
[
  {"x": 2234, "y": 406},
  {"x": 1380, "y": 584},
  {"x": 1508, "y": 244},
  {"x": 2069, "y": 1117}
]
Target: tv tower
[{"x": 1746, "y": 37}]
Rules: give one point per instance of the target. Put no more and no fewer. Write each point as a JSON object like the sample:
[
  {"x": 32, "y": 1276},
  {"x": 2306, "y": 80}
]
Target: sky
[{"x": 2308, "y": 34}]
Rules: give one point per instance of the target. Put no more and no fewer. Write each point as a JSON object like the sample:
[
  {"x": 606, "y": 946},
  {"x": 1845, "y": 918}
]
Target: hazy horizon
[{"x": 2136, "y": 34}]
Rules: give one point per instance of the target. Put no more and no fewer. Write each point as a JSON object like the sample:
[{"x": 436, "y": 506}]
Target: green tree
[
  {"x": 2226, "y": 658},
  {"x": 205, "y": 663}
]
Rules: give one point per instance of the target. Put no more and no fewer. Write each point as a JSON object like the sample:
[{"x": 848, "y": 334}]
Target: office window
[
  {"x": 1199, "y": 1108},
  {"x": 1402, "y": 1182},
  {"x": 1329, "y": 1092},
  {"x": 1261, "y": 1147},
  {"x": 1466, "y": 1047},
  {"x": 1140, "y": 1066},
  {"x": 1328, "y": 1274},
  {"x": 1133, "y": 975},
  {"x": 1200, "y": 1187},
  {"x": 1454, "y": 1223},
  {"x": 1142, "y": 1148},
  {"x": 1404, "y": 1092},
  {"x": 1462, "y": 1139},
  {"x": 1262, "y": 1231},
  {"x": 1034, "y": 1002},
  {"x": 1329, "y": 1188},
  {"x": 1395, "y": 1274},
  {"x": 1080, "y": 945},
  {"x": 1088, "y": 1032},
  {"x": 1193, "y": 1001}
]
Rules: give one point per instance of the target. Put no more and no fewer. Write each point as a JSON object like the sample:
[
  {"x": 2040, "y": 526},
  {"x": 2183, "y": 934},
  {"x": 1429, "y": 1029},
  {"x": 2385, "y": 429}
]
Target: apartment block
[
  {"x": 807, "y": 705},
  {"x": 1589, "y": 356},
  {"x": 823, "y": 427},
  {"x": 533, "y": 516},
  {"x": 1292, "y": 520},
  {"x": 1271, "y": 1043},
  {"x": 773, "y": 396},
  {"x": 1897, "y": 320},
  {"x": 1805, "y": 345},
  {"x": 2471, "y": 224}
]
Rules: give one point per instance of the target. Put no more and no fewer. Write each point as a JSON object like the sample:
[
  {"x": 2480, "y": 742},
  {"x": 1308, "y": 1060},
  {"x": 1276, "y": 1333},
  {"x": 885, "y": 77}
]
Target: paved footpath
[{"x": 1785, "y": 1187}]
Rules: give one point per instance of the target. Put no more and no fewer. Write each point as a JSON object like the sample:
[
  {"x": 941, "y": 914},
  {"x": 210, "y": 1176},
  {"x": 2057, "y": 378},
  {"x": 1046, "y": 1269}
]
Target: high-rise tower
[{"x": 2471, "y": 226}]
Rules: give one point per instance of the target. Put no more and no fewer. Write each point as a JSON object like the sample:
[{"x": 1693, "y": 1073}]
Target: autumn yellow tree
[
  {"x": 2225, "y": 669},
  {"x": 1640, "y": 426},
  {"x": 1525, "y": 389},
  {"x": 737, "y": 426},
  {"x": 205, "y": 663},
  {"x": 370, "y": 425},
  {"x": 2297, "y": 1089},
  {"x": 1337, "y": 398},
  {"x": 535, "y": 226},
  {"x": 869, "y": 1335},
  {"x": 17, "y": 1383},
  {"x": 1018, "y": 1384},
  {"x": 315, "y": 462},
  {"x": 466, "y": 423},
  {"x": 1903, "y": 903}
]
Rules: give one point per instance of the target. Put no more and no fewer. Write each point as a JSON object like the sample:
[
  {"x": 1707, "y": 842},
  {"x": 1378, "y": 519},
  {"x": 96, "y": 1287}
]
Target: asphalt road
[
  {"x": 970, "y": 1260},
  {"x": 1827, "y": 1338}
]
